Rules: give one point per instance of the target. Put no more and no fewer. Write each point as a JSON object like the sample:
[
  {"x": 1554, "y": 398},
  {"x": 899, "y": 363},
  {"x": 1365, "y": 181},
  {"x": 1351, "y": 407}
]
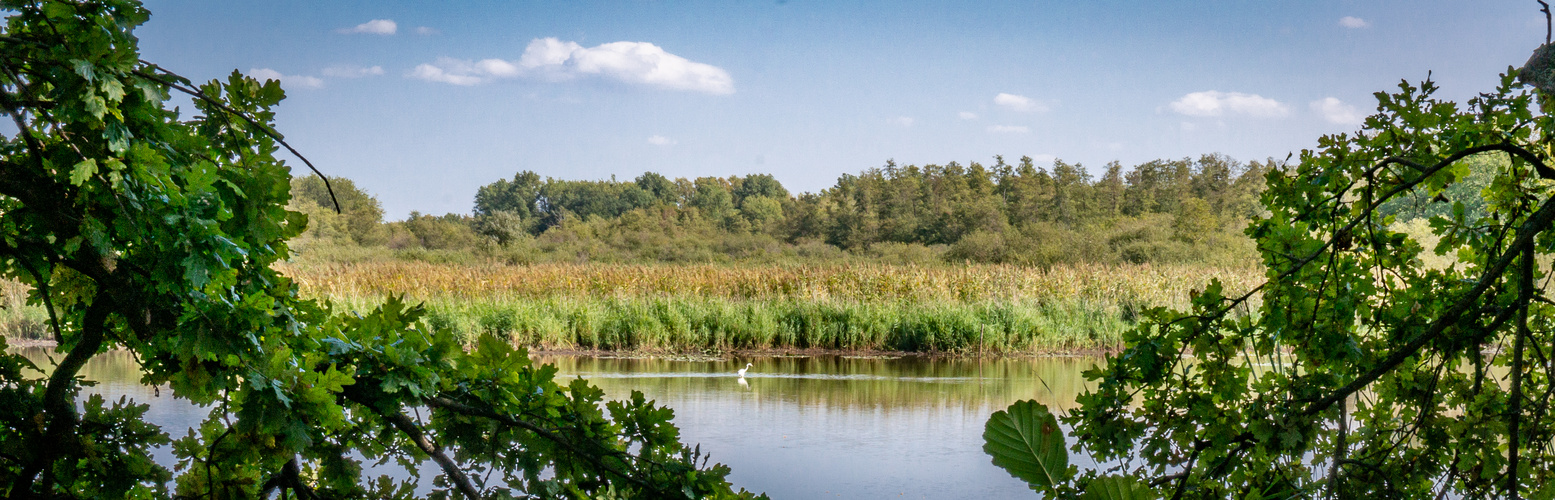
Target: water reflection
[
  {"x": 833, "y": 426},
  {"x": 794, "y": 427},
  {"x": 116, "y": 375},
  {"x": 846, "y": 382}
]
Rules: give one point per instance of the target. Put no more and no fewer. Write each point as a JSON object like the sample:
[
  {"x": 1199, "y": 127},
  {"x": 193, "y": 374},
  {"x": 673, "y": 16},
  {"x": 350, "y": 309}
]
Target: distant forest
[{"x": 1162, "y": 211}]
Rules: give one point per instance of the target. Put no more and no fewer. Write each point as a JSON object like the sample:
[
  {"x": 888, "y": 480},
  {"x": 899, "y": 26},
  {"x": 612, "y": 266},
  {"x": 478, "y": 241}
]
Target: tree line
[{"x": 1158, "y": 211}]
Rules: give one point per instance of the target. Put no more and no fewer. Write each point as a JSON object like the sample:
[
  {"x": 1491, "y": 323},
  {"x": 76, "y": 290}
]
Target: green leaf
[
  {"x": 83, "y": 171},
  {"x": 58, "y": 10},
  {"x": 1118, "y": 488},
  {"x": 113, "y": 89},
  {"x": 1027, "y": 442},
  {"x": 96, "y": 105},
  {"x": 83, "y": 68}
]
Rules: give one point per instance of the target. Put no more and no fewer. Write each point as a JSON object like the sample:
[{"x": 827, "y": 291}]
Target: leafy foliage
[
  {"x": 1117, "y": 488},
  {"x": 1366, "y": 373},
  {"x": 138, "y": 230}
]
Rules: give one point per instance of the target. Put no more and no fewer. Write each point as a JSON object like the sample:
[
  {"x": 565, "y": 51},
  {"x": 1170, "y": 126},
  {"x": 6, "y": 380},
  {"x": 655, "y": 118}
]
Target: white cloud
[
  {"x": 1216, "y": 103},
  {"x": 1353, "y": 22},
  {"x": 448, "y": 70},
  {"x": 287, "y": 81},
  {"x": 967, "y": 115},
  {"x": 497, "y": 68},
  {"x": 351, "y": 71},
  {"x": 1008, "y": 129},
  {"x": 1019, "y": 103},
  {"x": 903, "y": 121},
  {"x": 1337, "y": 112},
  {"x": 659, "y": 140},
  {"x": 423, "y": 30},
  {"x": 548, "y": 53},
  {"x": 373, "y": 27},
  {"x": 638, "y": 63}
]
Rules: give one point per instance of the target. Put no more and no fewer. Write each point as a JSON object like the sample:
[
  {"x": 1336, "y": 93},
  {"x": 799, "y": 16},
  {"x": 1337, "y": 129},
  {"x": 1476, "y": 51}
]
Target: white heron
[{"x": 742, "y": 370}]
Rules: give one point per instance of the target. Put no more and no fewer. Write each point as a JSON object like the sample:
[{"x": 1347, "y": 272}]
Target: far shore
[{"x": 752, "y": 353}]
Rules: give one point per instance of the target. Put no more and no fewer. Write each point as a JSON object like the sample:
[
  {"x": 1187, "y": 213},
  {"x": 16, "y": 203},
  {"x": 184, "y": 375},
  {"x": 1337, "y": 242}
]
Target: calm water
[{"x": 797, "y": 427}]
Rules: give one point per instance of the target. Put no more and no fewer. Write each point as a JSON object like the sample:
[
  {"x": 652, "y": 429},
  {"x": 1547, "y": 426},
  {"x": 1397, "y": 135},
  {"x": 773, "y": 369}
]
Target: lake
[{"x": 796, "y": 426}]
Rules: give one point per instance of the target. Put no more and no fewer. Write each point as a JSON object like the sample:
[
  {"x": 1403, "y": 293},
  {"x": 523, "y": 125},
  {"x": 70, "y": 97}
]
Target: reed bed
[
  {"x": 712, "y": 308},
  {"x": 1129, "y": 285},
  {"x": 699, "y": 308}
]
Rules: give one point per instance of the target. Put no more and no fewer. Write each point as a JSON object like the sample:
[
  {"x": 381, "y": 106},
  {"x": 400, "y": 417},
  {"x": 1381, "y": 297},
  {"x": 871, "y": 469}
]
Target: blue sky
[{"x": 422, "y": 102}]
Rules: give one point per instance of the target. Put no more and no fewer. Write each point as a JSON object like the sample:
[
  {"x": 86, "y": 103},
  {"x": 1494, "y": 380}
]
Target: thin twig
[{"x": 251, "y": 121}]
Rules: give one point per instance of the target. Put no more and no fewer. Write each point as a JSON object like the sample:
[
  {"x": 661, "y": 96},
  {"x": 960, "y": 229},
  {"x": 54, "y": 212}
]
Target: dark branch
[
  {"x": 1535, "y": 224},
  {"x": 251, "y": 121},
  {"x": 1545, "y": 8},
  {"x": 412, "y": 431},
  {"x": 593, "y": 458},
  {"x": 57, "y": 400}
]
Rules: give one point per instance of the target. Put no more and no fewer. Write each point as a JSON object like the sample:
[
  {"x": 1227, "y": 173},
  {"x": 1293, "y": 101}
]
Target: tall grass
[
  {"x": 971, "y": 308},
  {"x": 699, "y": 308},
  {"x": 682, "y": 324},
  {"x": 1124, "y": 285}
]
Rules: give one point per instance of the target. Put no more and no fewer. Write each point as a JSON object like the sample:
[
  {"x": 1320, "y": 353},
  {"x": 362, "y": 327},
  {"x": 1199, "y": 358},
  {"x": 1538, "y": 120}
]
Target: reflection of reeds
[
  {"x": 830, "y": 381},
  {"x": 836, "y": 382},
  {"x": 994, "y": 308},
  {"x": 114, "y": 366}
]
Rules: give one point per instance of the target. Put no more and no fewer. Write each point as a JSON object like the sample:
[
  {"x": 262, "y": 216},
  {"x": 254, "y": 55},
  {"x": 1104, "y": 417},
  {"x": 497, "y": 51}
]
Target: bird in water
[{"x": 742, "y": 370}]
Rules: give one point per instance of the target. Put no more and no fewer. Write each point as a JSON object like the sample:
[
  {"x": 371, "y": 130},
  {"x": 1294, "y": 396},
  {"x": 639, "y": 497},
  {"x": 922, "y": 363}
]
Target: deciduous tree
[{"x": 141, "y": 230}]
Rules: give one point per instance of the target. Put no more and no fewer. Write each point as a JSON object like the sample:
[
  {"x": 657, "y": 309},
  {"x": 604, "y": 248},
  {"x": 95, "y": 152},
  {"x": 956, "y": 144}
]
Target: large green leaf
[
  {"x": 1026, "y": 441},
  {"x": 1118, "y": 488}
]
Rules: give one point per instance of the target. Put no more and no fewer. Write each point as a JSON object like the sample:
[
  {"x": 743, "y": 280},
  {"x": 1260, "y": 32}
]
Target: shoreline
[
  {"x": 775, "y": 352},
  {"x": 778, "y": 352}
]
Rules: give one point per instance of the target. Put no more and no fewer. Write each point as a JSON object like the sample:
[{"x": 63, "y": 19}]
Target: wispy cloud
[
  {"x": 1216, "y": 103},
  {"x": 373, "y": 27},
  {"x": 1337, "y": 112},
  {"x": 903, "y": 121},
  {"x": 1008, "y": 129},
  {"x": 659, "y": 140},
  {"x": 287, "y": 81},
  {"x": 423, "y": 30},
  {"x": 1353, "y": 22},
  {"x": 967, "y": 115},
  {"x": 638, "y": 63},
  {"x": 460, "y": 72},
  {"x": 1019, "y": 103},
  {"x": 351, "y": 71}
]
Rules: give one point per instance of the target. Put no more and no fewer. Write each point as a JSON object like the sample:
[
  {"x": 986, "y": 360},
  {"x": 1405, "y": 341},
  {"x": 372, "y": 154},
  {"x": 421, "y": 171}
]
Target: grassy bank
[
  {"x": 682, "y": 324},
  {"x": 665, "y": 308},
  {"x": 699, "y": 308}
]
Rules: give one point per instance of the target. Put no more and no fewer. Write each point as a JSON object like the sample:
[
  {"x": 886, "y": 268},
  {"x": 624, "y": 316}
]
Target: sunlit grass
[
  {"x": 702, "y": 308},
  {"x": 681, "y": 308}
]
